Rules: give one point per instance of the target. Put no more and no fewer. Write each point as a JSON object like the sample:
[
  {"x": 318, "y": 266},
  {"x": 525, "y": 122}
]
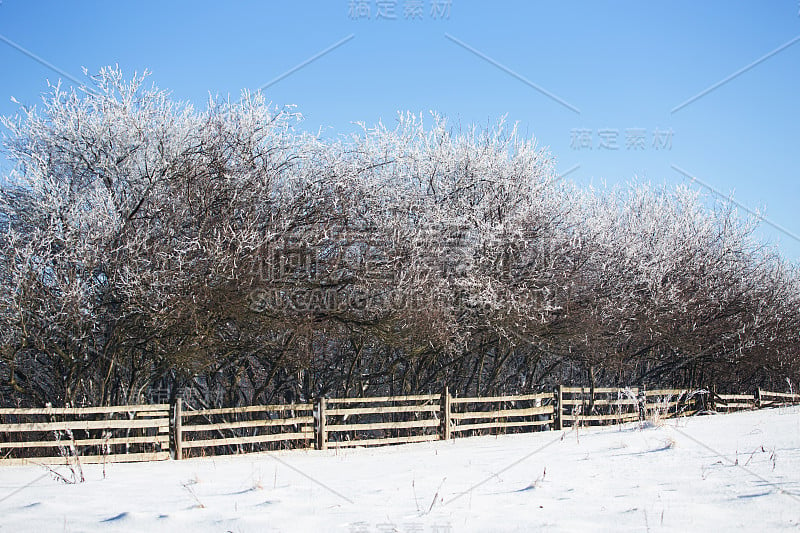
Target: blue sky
[{"x": 597, "y": 82}]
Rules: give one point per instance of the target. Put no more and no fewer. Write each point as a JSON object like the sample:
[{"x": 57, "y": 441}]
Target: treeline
[{"x": 148, "y": 246}]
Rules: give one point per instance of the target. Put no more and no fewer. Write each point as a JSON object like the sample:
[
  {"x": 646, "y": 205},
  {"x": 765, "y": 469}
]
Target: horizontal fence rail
[
  {"x": 735, "y": 402},
  {"x": 241, "y": 429},
  {"x": 667, "y": 403},
  {"x": 776, "y": 399},
  {"x": 587, "y": 406},
  {"x": 52, "y": 435},
  {"x": 348, "y": 422},
  {"x": 500, "y": 413}
]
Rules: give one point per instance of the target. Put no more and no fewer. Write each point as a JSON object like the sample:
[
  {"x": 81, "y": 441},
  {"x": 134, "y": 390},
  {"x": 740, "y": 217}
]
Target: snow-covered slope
[{"x": 721, "y": 473}]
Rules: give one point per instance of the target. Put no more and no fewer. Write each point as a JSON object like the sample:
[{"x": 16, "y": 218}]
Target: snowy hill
[{"x": 718, "y": 473}]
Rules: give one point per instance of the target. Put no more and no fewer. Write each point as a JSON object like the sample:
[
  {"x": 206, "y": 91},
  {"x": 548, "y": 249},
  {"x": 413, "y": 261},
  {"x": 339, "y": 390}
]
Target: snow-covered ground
[{"x": 716, "y": 473}]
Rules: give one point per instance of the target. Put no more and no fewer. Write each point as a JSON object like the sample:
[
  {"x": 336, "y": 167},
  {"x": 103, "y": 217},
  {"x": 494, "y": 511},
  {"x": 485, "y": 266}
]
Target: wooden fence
[
  {"x": 49, "y": 435},
  {"x": 241, "y": 429},
  {"x": 153, "y": 432},
  {"x": 376, "y": 421},
  {"x": 727, "y": 403},
  {"x": 582, "y": 405},
  {"x": 668, "y": 403},
  {"x": 497, "y": 413},
  {"x": 776, "y": 399}
]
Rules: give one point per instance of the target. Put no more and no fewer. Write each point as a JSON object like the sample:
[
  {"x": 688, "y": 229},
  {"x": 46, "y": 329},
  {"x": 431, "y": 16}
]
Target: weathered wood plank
[
  {"x": 383, "y": 425},
  {"x": 177, "y": 430},
  {"x": 383, "y": 409},
  {"x": 379, "y": 441},
  {"x": 598, "y": 390},
  {"x": 155, "y": 439},
  {"x": 503, "y": 413},
  {"x": 498, "y": 425},
  {"x": 250, "y": 439},
  {"x": 735, "y": 405},
  {"x": 321, "y": 432},
  {"x": 89, "y": 459},
  {"x": 778, "y": 402},
  {"x": 559, "y": 425},
  {"x": 627, "y": 401},
  {"x": 446, "y": 421},
  {"x": 248, "y": 409},
  {"x": 82, "y": 410},
  {"x": 623, "y": 416},
  {"x": 511, "y": 398},
  {"x": 84, "y": 425},
  {"x": 750, "y": 397},
  {"x": 795, "y": 397},
  {"x": 249, "y": 424},
  {"x": 660, "y": 406},
  {"x": 378, "y": 399},
  {"x": 665, "y": 392}
]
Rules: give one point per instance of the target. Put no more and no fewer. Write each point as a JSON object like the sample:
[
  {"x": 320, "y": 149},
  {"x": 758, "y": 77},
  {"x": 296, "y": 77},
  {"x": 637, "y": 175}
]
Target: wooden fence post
[
  {"x": 446, "y": 413},
  {"x": 641, "y": 403},
  {"x": 321, "y": 432},
  {"x": 758, "y": 398},
  {"x": 177, "y": 429},
  {"x": 558, "y": 409},
  {"x": 712, "y": 398}
]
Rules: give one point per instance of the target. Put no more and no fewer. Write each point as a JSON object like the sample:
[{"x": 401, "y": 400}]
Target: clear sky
[{"x": 615, "y": 89}]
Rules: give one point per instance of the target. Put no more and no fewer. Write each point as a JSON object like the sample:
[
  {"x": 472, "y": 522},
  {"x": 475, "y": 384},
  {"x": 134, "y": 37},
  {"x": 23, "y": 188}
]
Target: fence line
[
  {"x": 377, "y": 421},
  {"x": 776, "y": 399},
  {"x": 50, "y": 435},
  {"x": 587, "y": 406},
  {"x": 240, "y": 429},
  {"x": 735, "y": 402},
  {"x": 501, "y": 412}
]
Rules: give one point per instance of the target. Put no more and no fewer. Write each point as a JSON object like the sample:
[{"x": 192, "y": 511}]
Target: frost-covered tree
[{"x": 147, "y": 243}]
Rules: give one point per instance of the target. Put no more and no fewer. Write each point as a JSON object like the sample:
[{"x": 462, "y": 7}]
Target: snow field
[{"x": 731, "y": 472}]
